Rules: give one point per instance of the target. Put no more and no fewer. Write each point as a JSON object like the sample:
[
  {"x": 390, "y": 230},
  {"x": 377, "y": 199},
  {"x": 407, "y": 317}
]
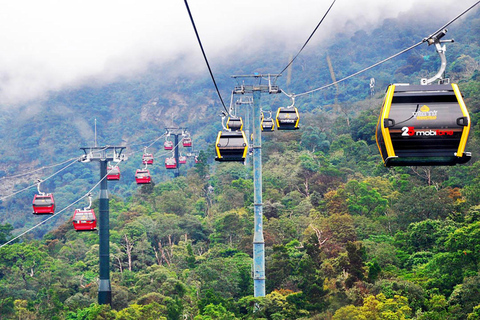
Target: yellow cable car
[
  {"x": 267, "y": 124},
  {"x": 287, "y": 118},
  {"x": 424, "y": 125},
  {"x": 231, "y": 146},
  {"x": 234, "y": 123}
]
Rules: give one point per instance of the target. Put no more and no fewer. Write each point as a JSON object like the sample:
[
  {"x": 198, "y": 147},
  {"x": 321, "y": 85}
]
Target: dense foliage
[{"x": 345, "y": 237}]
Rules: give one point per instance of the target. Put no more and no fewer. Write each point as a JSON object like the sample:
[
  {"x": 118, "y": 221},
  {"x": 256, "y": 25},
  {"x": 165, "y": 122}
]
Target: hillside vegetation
[{"x": 345, "y": 237}]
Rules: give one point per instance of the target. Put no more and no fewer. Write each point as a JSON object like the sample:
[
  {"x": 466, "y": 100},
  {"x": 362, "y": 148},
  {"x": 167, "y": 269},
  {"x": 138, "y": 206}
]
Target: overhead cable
[
  {"x": 311, "y": 35},
  {"x": 39, "y": 169},
  {"x": 358, "y": 72},
  {"x": 54, "y": 215},
  {"x": 451, "y": 21},
  {"x": 145, "y": 142},
  {"x": 155, "y": 140},
  {"x": 205, "y": 56},
  {"x": 389, "y": 58},
  {"x": 33, "y": 185}
]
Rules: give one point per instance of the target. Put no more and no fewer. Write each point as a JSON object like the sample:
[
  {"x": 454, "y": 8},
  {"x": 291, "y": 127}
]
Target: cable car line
[
  {"x": 450, "y": 22},
  {"x": 384, "y": 60},
  {"x": 57, "y": 213},
  {"x": 35, "y": 184},
  {"x": 311, "y": 35},
  {"x": 205, "y": 56},
  {"x": 35, "y": 170},
  {"x": 156, "y": 140},
  {"x": 213, "y": 79},
  {"x": 145, "y": 142},
  {"x": 75, "y": 160},
  {"x": 358, "y": 72}
]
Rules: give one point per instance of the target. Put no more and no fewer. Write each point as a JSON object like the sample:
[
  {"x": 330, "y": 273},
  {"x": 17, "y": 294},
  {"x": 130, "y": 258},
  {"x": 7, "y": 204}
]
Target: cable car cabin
[
  {"x": 267, "y": 125},
  {"x": 147, "y": 158},
  {"x": 182, "y": 159},
  {"x": 287, "y": 118},
  {"x": 113, "y": 173},
  {"x": 187, "y": 142},
  {"x": 84, "y": 220},
  {"x": 168, "y": 145},
  {"x": 231, "y": 146},
  {"x": 423, "y": 125},
  {"x": 142, "y": 176},
  {"x": 234, "y": 123},
  {"x": 43, "y": 204},
  {"x": 170, "y": 163}
]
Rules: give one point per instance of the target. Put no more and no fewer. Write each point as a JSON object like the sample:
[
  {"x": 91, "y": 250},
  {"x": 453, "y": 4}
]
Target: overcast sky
[{"x": 51, "y": 44}]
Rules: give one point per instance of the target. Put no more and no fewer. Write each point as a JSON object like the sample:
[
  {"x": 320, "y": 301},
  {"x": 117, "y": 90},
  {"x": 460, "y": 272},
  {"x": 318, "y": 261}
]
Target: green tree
[
  {"x": 23, "y": 311},
  {"x": 376, "y": 307},
  {"x": 23, "y": 262},
  {"x": 356, "y": 262},
  {"x": 465, "y": 295},
  {"x": 152, "y": 311},
  {"x": 7, "y": 307},
  {"x": 215, "y": 312},
  {"x": 363, "y": 126},
  {"x": 475, "y": 314},
  {"x": 428, "y": 235},
  {"x": 422, "y": 203},
  {"x": 311, "y": 283},
  {"x": 5, "y": 232},
  {"x": 364, "y": 199},
  {"x": 437, "y": 308},
  {"x": 202, "y": 167},
  {"x": 279, "y": 268},
  {"x": 313, "y": 139},
  {"x": 227, "y": 277},
  {"x": 94, "y": 311}
]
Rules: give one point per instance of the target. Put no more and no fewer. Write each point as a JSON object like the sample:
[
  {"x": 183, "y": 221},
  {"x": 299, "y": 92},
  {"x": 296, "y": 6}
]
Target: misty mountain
[{"x": 133, "y": 110}]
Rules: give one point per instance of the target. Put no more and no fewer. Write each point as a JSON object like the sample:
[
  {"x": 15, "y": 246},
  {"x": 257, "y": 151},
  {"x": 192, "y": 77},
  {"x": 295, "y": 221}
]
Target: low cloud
[{"x": 49, "y": 45}]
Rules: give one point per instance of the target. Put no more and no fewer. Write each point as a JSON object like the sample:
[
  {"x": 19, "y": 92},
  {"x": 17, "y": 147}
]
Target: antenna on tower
[{"x": 95, "y": 132}]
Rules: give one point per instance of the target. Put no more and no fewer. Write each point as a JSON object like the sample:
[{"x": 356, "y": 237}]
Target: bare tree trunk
[
  {"x": 427, "y": 174},
  {"x": 307, "y": 191},
  {"x": 157, "y": 257},
  {"x": 119, "y": 264},
  {"x": 128, "y": 250},
  {"x": 171, "y": 245},
  {"x": 319, "y": 237},
  {"x": 162, "y": 251}
]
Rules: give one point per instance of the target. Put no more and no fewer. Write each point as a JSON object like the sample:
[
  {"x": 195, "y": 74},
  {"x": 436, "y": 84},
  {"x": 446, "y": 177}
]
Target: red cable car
[
  {"x": 113, "y": 173},
  {"x": 43, "y": 204},
  {"x": 147, "y": 158},
  {"x": 187, "y": 142},
  {"x": 182, "y": 159},
  {"x": 170, "y": 163},
  {"x": 84, "y": 220},
  {"x": 168, "y": 145},
  {"x": 142, "y": 176}
]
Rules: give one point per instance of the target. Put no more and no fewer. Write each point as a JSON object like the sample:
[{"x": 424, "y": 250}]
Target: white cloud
[{"x": 47, "y": 45}]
